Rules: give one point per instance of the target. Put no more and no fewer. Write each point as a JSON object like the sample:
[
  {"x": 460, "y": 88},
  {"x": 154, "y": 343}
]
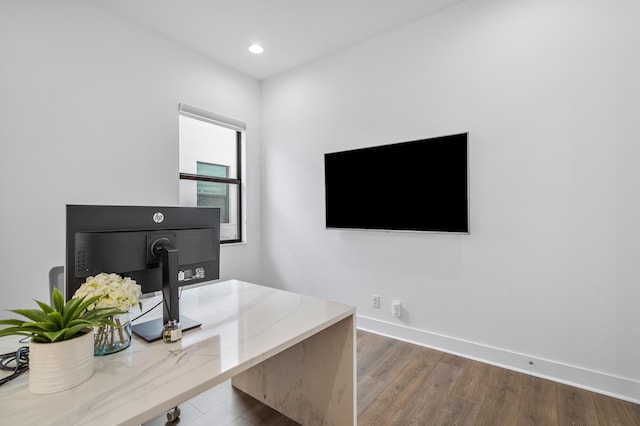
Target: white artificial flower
[{"x": 117, "y": 292}]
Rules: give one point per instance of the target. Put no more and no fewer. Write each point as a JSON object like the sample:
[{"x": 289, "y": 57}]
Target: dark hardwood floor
[{"x": 404, "y": 384}]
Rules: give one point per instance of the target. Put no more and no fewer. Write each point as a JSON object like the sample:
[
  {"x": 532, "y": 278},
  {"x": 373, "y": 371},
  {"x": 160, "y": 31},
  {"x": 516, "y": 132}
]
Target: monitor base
[{"x": 151, "y": 331}]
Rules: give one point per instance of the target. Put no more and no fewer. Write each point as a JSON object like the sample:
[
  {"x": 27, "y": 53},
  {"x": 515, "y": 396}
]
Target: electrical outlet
[
  {"x": 396, "y": 308},
  {"x": 375, "y": 301}
]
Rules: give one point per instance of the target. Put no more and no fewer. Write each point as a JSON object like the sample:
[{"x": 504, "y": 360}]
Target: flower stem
[{"x": 120, "y": 330}]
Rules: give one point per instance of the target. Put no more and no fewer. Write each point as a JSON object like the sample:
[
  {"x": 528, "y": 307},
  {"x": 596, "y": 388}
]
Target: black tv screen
[{"x": 419, "y": 185}]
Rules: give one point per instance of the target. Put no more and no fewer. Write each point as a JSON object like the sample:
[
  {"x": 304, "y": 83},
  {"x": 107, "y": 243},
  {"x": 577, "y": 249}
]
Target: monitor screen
[
  {"x": 162, "y": 248},
  {"x": 419, "y": 185}
]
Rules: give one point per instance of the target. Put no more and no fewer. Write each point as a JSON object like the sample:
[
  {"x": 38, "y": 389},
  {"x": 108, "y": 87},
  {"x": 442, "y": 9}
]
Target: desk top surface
[{"x": 242, "y": 325}]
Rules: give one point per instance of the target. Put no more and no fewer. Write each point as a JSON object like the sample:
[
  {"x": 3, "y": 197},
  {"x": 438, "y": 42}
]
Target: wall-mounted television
[{"x": 420, "y": 185}]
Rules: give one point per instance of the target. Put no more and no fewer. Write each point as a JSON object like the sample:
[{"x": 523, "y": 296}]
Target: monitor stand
[{"x": 152, "y": 330}]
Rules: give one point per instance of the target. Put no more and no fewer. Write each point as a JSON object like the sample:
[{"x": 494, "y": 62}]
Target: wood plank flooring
[{"x": 404, "y": 384}]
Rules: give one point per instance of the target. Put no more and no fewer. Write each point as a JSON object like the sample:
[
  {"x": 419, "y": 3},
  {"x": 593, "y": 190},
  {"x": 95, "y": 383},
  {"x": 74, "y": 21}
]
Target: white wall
[
  {"x": 549, "y": 93},
  {"x": 89, "y": 114}
]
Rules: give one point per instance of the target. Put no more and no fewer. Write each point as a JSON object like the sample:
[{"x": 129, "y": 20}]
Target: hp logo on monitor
[{"x": 158, "y": 217}]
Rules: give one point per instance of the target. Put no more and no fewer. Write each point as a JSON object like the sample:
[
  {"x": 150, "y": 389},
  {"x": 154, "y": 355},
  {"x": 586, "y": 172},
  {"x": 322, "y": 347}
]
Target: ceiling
[{"x": 292, "y": 32}]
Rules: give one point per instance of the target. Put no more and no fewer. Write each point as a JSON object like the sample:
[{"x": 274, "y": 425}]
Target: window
[
  {"x": 213, "y": 194},
  {"x": 210, "y": 166}
]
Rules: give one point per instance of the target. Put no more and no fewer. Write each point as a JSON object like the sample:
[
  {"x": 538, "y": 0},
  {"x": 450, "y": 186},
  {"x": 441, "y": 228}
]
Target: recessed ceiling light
[{"x": 256, "y": 48}]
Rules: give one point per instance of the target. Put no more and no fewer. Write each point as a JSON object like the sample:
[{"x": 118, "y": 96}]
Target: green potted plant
[{"x": 61, "y": 340}]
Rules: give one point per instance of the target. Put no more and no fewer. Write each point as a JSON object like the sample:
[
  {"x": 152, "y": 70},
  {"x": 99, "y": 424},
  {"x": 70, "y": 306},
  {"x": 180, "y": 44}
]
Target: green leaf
[
  {"x": 11, "y": 322},
  {"x": 70, "y": 311},
  {"x": 58, "y": 300},
  {"x": 100, "y": 313},
  {"x": 55, "y": 336},
  {"x": 12, "y": 331},
  {"x": 40, "y": 326},
  {"x": 56, "y": 317},
  {"x": 77, "y": 321},
  {"x": 22, "y": 331},
  {"x": 29, "y": 327},
  {"x": 86, "y": 302},
  {"x": 73, "y": 331},
  {"x": 109, "y": 321},
  {"x": 32, "y": 314},
  {"x": 46, "y": 308}
]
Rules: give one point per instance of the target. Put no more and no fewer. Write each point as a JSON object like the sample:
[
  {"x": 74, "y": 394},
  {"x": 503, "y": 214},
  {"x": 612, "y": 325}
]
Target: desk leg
[{"x": 313, "y": 382}]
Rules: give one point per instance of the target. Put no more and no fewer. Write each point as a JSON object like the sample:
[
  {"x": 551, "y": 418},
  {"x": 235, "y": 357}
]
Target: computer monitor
[{"x": 162, "y": 248}]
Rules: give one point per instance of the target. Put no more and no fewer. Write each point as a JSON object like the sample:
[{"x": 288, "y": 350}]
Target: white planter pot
[{"x": 55, "y": 367}]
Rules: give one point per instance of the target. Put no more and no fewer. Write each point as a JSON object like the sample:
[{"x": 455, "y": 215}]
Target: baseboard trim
[{"x": 603, "y": 383}]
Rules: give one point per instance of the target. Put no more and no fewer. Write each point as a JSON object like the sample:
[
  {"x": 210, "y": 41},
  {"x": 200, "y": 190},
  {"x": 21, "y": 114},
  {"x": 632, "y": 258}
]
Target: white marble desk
[{"x": 292, "y": 352}]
